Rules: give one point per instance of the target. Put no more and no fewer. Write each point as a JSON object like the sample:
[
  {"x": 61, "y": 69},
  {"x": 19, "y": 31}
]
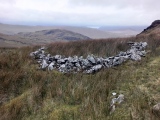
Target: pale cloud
[{"x": 79, "y": 12}]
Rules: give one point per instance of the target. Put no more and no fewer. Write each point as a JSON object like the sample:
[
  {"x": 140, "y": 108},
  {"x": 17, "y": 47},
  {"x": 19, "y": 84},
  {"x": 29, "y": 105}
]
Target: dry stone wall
[{"x": 91, "y": 63}]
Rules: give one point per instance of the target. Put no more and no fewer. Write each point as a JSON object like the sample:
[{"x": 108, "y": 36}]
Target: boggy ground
[{"x": 28, "y": 93}]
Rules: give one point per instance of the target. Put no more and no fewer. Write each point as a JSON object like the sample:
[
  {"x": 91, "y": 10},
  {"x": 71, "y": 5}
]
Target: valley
[{"x": 27, "y": 92}]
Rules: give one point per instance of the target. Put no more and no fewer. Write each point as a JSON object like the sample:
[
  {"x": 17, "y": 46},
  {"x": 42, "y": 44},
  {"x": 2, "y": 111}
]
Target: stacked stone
[{"x": 88, "y": 65}]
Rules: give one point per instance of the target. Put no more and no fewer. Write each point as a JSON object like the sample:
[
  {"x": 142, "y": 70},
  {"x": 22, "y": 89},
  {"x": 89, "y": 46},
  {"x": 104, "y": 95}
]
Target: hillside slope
[
  {"x": 53, "y": 35},
  {"x": 153, "y": 29},
  {"x": 12, "y": 41},
  {"x": 28, "y": 93},
  {"x": 39, "y": 38}
]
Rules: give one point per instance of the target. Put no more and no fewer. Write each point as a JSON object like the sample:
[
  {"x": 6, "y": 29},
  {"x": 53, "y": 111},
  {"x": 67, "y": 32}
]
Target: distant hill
[
  {"x": 102, "y": 32},
  {"x": 90, "y": 32},
  {"x": 12, "y": 41},
  {"x": 39, "y": 38},
  {"x": 53, "y": 35},
  {"x": 153, "y": 29},
  {"x": 21, "y": 35}
]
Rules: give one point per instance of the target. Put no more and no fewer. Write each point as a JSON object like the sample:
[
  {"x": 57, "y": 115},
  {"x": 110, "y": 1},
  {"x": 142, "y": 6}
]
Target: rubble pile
[{"x": 91, "y": 63}]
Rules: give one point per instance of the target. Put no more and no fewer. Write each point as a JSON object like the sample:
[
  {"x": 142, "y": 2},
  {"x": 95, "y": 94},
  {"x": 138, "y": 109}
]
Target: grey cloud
[
  {"x": 122, "y": 12},
  {"x": 7, "y": 1},
  {"x": 141, "y": 4}
]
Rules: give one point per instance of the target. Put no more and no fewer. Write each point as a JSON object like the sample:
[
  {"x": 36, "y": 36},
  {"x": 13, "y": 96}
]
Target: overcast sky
[{"x": 80, "y": 12}]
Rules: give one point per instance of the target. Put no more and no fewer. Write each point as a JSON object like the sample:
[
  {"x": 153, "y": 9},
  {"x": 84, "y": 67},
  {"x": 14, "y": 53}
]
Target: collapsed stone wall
[{"x": 91, "y": 63}]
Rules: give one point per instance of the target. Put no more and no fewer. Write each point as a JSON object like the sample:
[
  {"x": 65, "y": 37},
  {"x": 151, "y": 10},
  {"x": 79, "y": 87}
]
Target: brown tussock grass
[{"x": 78, "y": 96}]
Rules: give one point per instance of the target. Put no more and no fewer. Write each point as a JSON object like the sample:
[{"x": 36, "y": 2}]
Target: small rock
[
  {"x": 156, "y": 110},
  {"x": 51, "y": 66},
  {"x": 44, "y": 64},
  {"x": 91, "y": 59},
  {"x": 120, "y": 98},
  {"x": 114, "y": 93},
  {"x": 115, "y": 101}
]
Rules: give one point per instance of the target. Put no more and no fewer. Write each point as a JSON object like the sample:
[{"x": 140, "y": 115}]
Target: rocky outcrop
[
  {"x": 153, "y": 25},
  {"x": 91, "y": 63}
]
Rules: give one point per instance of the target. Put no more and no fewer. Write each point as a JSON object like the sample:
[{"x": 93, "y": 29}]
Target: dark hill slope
[
  {"x": 39, "y": 38},
  {"x": 53, "y": 35},
  {"x": 153, "y": 29}
]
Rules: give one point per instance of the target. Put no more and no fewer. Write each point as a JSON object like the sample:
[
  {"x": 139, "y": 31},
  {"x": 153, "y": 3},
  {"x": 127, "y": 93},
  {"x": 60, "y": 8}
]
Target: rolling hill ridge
[{"x": 39, "y": 38}]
